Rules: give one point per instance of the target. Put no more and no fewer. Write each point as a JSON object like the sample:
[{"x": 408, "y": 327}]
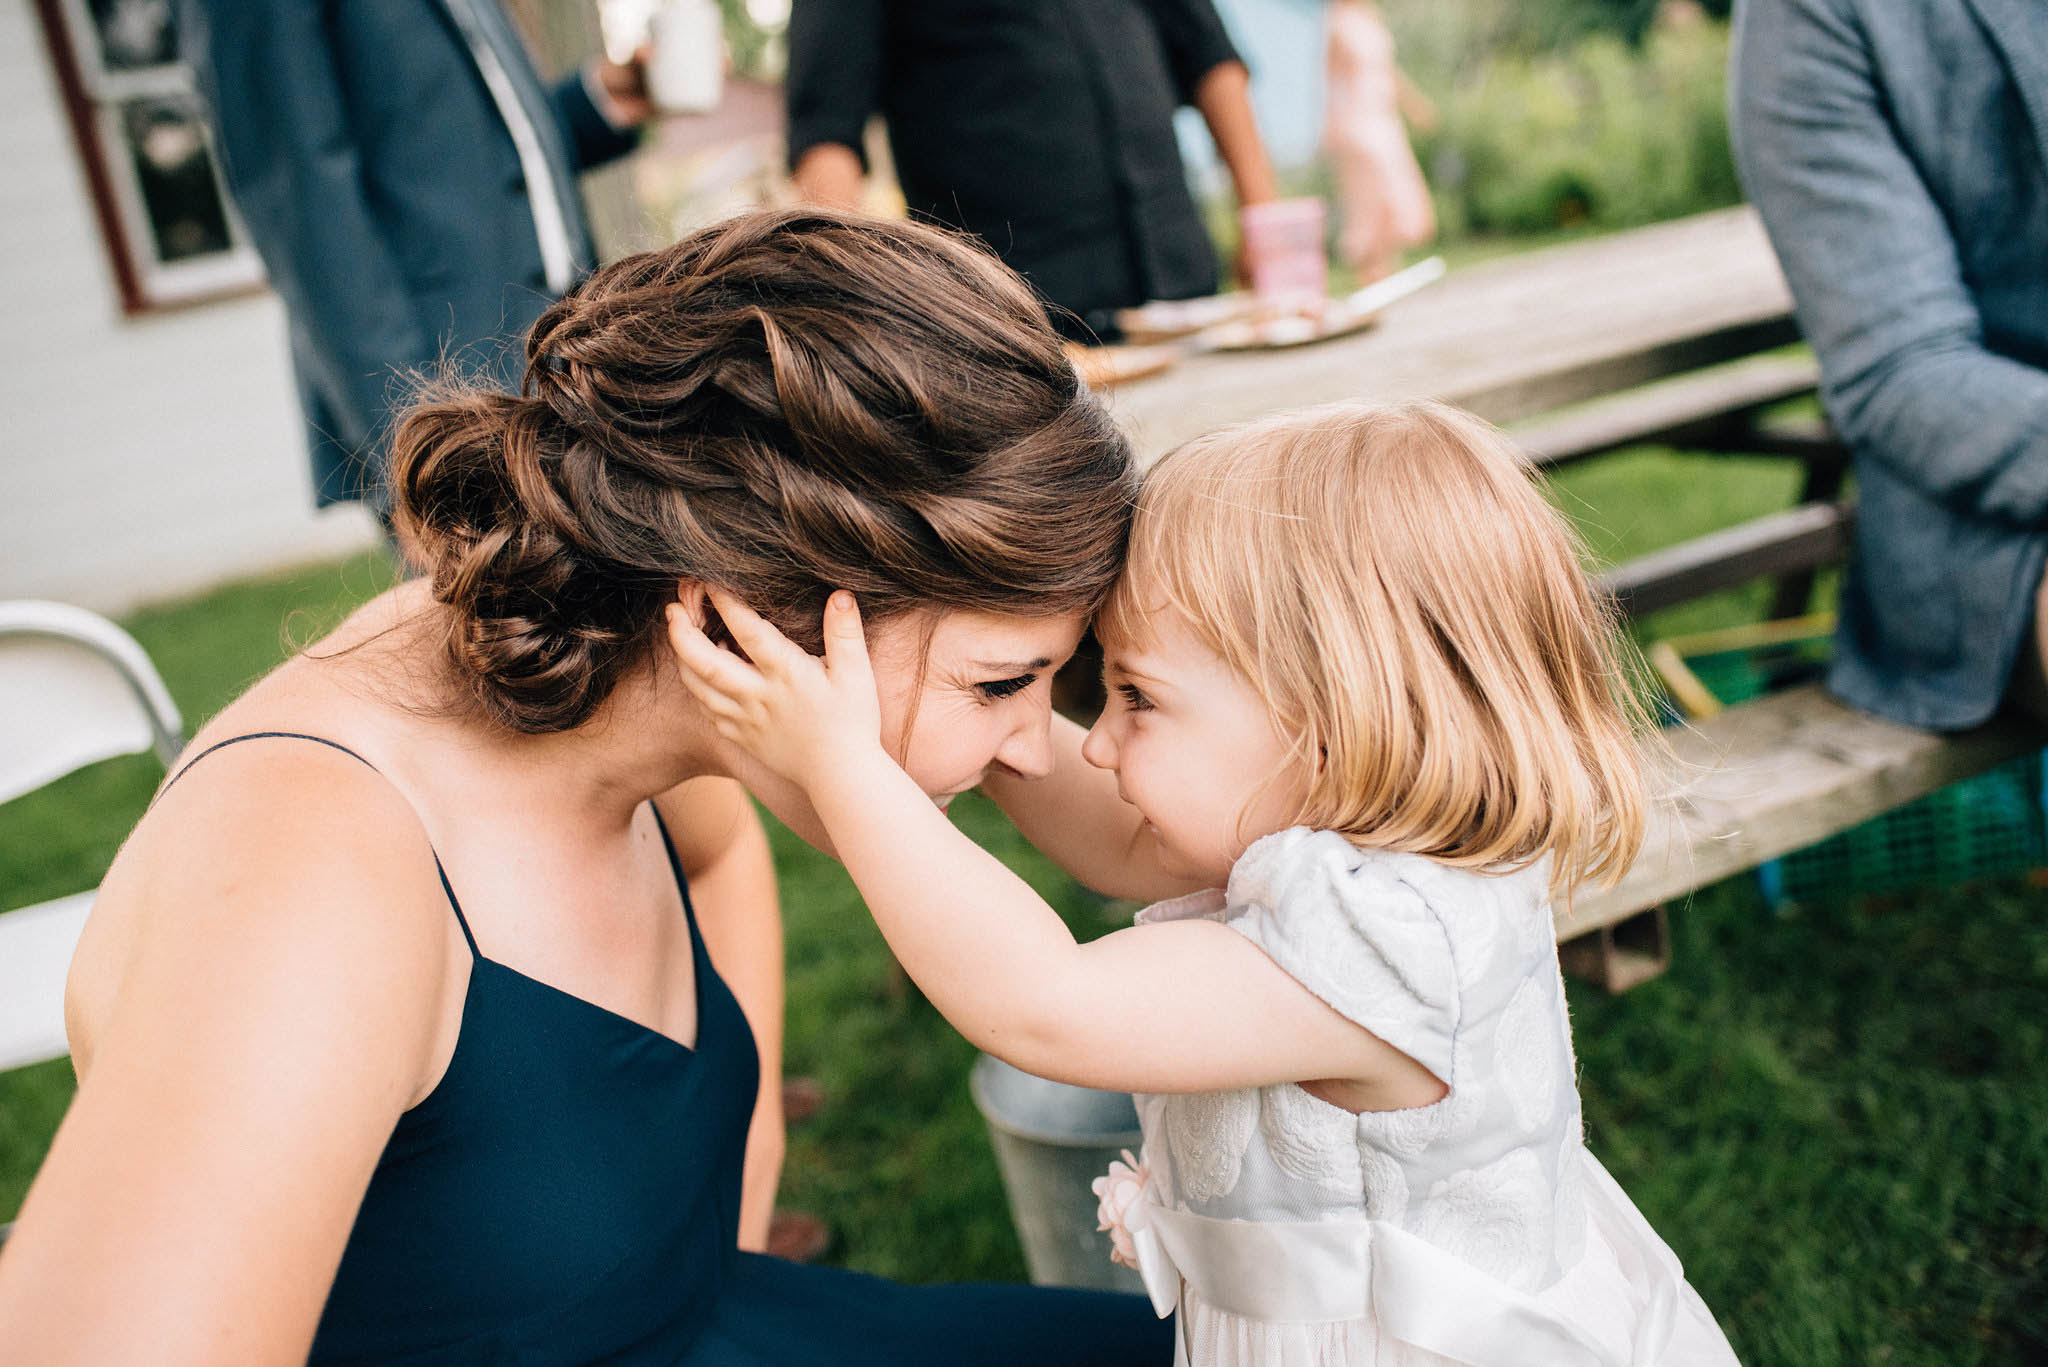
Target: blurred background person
[
  {"x": 410, "y": 183},
  {"x": 1382, "y": 201},
  {"x": 1043, "y": 126}
]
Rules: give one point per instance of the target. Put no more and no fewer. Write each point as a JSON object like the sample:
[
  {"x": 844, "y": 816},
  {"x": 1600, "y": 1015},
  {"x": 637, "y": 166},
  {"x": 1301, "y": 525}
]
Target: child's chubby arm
[
  {"x": 1076, "y": 818},
  {"x": 1182, "y": 1006}
]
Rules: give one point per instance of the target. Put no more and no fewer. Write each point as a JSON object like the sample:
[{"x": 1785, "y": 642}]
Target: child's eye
[
  {"x": 1005, "y": 688},
  {"x": 1134, "y": 697}
]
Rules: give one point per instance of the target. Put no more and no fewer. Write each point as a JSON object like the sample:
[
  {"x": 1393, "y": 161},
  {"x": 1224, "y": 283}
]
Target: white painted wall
[{"x": 140, "y": 458}]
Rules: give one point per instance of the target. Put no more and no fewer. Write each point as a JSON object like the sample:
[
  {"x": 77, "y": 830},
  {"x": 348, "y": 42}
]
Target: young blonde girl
[{"x": 1363, "y": 727}]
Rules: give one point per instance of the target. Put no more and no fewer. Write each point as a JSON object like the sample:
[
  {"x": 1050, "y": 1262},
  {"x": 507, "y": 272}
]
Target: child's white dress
[{"x": 1291, "y": 1233}]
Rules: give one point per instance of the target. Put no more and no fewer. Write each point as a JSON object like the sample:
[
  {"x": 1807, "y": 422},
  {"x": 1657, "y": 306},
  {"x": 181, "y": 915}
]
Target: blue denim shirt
[{"x": 1898, "y": 152}]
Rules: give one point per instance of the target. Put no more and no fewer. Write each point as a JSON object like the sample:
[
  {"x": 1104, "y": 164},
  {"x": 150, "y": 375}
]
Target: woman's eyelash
[
  {"x": 1134, "y": 697},
  {"x": 1004, "y": 688}
]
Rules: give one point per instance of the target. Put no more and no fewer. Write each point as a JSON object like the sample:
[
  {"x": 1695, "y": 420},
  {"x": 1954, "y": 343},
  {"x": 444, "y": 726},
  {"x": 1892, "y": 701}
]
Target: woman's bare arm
[{"x": 270, "y": 1002}]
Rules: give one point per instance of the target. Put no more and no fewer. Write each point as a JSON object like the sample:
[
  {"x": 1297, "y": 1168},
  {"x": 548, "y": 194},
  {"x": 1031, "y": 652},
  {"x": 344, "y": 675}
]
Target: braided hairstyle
[{"x": 785, "y": 403}]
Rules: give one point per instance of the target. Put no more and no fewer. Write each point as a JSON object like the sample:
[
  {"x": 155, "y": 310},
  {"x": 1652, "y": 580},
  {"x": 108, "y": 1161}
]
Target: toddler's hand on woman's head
[{"x": 799, "y": 715}]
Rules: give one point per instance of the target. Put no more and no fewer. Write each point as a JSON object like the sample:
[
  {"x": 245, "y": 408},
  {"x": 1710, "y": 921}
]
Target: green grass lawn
[{"x": 1838, "y": 1118}]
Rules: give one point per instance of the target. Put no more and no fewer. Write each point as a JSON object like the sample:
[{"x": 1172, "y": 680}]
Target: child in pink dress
[{"x": 1381, "y": 197}]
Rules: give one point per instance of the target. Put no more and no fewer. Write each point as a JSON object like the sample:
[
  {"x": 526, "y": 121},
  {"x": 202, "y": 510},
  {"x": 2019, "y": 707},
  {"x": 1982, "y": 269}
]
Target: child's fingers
[
  {"x": 708, "y": 670},
  {"x": 722, "y": 685},
  {"x": 755, "y": 634},
  {"x": 846, "y": 645},
  {"x": 722, "y": 708}
]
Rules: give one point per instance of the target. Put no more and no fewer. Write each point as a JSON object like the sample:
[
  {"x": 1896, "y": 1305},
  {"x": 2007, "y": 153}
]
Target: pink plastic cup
[{"x": 1283, "y": 241}]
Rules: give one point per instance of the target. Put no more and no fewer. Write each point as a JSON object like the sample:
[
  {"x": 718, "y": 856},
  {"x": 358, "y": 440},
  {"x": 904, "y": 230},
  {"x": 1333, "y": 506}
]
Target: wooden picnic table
[{"x": 1509, "y": 338}]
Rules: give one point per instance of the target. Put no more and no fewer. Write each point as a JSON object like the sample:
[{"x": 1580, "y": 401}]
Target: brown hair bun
[{"x": 782, "y": 404}]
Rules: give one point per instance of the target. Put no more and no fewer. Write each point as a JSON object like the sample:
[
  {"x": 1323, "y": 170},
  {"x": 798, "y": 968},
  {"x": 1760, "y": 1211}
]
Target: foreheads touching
[{"x": 1411, "y": 614}]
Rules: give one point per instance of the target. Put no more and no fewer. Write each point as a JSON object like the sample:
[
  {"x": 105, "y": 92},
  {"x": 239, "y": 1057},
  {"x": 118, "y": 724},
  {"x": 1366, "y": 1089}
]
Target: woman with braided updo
[{"x": 397, "y": 1019}]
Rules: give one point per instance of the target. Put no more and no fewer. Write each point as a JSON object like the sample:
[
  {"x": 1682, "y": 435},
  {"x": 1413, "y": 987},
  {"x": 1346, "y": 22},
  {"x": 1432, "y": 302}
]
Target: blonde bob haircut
[{"x": 1414, "y": 614}]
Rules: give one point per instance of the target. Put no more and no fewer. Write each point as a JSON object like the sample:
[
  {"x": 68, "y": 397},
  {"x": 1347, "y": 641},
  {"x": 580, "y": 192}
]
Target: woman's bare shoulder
[
  {"x": 275, "y": 836},
  {"x": 287, "y": 774},
  {"x": 273, "y": 854},
  {"x": 264, "y": 986}
]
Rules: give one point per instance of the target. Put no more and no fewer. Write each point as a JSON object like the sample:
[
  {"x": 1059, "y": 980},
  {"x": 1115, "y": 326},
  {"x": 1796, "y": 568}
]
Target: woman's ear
[
  {"x": 690, "y": 593},
  {"x": 695, "y": 599}
]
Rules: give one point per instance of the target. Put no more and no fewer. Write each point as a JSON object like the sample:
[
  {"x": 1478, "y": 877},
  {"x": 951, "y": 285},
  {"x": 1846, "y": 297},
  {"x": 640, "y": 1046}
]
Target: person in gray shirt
[{"x": 1899, "y": 156}]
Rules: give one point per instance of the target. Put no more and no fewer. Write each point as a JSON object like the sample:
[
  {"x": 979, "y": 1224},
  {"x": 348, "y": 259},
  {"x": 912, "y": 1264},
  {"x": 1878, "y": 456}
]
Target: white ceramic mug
[{"x": 686, "y": 69}]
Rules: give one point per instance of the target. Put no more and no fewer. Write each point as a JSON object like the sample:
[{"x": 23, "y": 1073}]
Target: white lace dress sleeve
[
  {"x": 1287, "y": 1232},
  {"x": 1352, "y": 932}
]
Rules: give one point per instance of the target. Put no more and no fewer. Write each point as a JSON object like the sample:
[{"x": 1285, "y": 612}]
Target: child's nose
[{"x": 1097, "y": 747}]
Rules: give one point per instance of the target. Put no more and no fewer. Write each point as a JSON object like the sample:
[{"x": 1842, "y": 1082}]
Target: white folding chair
[{"x": 74, "y": 689}]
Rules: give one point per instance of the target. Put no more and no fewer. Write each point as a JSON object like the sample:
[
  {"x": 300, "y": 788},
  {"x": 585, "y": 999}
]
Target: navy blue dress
[{"x": 569, "y": 1193}]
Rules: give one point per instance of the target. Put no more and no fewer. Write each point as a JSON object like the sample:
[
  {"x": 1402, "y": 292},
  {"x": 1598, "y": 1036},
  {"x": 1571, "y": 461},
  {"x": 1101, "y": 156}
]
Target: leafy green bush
[{"x": 1601, "y": 131}]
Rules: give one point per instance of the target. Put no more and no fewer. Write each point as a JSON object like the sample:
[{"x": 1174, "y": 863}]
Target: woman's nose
[{"x": 1028, "y": 749}]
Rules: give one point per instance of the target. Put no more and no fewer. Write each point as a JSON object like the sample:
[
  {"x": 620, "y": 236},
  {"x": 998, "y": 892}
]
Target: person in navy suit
[{"x": 410, "y": 183}]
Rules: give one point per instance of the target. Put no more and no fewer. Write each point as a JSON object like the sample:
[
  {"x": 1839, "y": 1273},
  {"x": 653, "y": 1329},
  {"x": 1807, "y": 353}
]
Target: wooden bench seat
[
  {"x": 1775, "y": 775},
  {"x": 1765, "y": 777}
]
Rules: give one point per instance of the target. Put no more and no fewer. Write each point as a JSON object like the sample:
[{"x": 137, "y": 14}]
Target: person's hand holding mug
[{"x": 625, "y": 87}]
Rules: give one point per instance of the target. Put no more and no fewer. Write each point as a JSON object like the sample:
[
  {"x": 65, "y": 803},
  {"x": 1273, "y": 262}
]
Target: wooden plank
[
  {"x": 1508, "y": 339},
  {"x": 1800, "y": 538},
  {"x": 1700, "y": 409},
  {"x": 1622, "y": 955},
  {"x": 1589, "y": 378},
  {"x": 1776, "y": 775},
  {"x": 1811, "y": 440}
]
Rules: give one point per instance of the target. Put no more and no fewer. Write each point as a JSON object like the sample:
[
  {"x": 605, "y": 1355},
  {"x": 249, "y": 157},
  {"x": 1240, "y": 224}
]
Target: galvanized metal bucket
[{"x": 1051, "y": 1141}]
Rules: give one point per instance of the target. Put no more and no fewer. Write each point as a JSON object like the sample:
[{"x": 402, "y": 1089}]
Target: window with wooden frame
[{"x": 147, "y": 145}]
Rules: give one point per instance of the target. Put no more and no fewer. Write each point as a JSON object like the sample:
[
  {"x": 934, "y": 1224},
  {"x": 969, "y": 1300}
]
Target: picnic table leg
[
  {"x": 1814, "y": 444},
  {"x": 1623, "y": 954}
]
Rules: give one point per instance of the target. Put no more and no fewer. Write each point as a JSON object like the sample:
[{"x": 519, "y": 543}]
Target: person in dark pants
[
  {"x": 1043, "y": 126},
  {"x": 410, "y": 184},
  {"x": 1899, "y": 157}
]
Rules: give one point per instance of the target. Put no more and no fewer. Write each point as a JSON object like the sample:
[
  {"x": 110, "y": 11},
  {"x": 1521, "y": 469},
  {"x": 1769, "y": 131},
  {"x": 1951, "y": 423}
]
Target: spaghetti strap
[
  {"x": 186, "y": 767},
  {"x": 675, "y": 866},
  {"x": 453, "y": 903}
]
